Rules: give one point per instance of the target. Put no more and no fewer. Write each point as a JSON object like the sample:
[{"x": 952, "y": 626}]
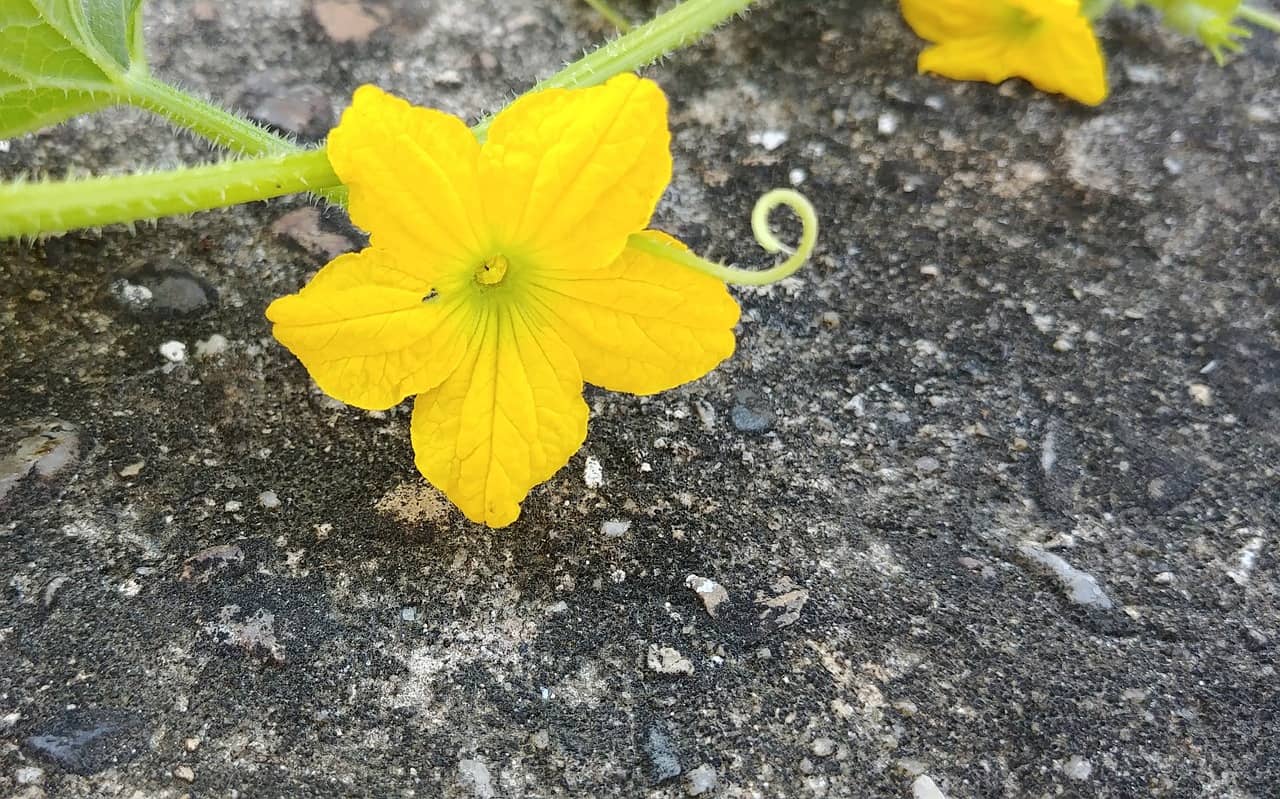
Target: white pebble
[
  {"x": 701, "y": 780},
  {"x": 1077, "y": 768},
  {"x": 593, "y": 473},
  {"x": 474, "y": 774},
  {"x": 29, "y": 775},
  {"x": 212, "y": 347},
  {"x": 887, "y": 124},
  {"x": 174, "y": 351},
  {"x": 769, "y": 139},
  {"x": 615, "y": 528},
  {"x": 925, "y": 788},
  {"x": 1081, "y": 587},
  {"x": 1200, "y": 394},
  {"x": 797, "y": 176},
  {"x": 269, "y": 500}
]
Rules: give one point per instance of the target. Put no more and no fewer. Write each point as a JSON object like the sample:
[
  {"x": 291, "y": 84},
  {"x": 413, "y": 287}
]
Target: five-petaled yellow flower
[
  {"x": 498, "y": 278},
  {"x": 1048, "y": 42}
]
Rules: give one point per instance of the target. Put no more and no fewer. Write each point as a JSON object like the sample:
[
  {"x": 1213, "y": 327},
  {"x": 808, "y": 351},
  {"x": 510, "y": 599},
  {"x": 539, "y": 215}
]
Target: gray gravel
[{"x": 1031, "y": 328}]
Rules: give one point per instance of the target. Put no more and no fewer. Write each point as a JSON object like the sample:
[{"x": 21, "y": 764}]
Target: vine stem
[
  {"x": 34, "y": 209},
  {"x": 223, "y": 128},
  {"x": 765, "y": 236},
  {"x": 1262, "y": 19}
]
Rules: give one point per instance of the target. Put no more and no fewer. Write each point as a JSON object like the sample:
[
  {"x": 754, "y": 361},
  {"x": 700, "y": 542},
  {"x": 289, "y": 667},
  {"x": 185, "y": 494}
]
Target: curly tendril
[{"x": 794, "y": 200}]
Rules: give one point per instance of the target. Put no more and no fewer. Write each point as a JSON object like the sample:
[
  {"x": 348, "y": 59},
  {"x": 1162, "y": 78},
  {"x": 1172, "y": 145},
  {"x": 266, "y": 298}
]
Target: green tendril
[{"x": 767, "y": 239}]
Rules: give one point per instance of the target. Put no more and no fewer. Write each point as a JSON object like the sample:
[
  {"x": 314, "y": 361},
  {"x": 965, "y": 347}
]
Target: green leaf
[{"x": 59, "y": 58}]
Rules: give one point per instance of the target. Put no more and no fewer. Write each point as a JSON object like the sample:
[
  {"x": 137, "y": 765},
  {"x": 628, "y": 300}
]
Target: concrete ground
[{"x": 986, "y": 503}]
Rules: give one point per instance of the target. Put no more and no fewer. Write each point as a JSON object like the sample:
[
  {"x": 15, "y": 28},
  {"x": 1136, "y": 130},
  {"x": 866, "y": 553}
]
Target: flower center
[{"x": 492, "y": 270}]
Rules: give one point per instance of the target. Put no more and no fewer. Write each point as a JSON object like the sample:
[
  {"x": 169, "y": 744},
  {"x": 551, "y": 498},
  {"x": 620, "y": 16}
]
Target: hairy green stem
[
  {"x": 33, "y": 209},
  {"x": 765, "y": 236},
  {"x": 223, "y": 128}
]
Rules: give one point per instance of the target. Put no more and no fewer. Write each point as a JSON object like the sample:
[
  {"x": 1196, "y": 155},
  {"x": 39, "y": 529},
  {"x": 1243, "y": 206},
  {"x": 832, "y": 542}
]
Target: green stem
[
  {"x": 765, "y": 236},
  {"x": 665, "y": 33},
  {"x": 223, "y": 128},
  {"x": 1263, "y": 19},
  {"x": 33, "y": 209},
  {"x": 610, "y": 13}
]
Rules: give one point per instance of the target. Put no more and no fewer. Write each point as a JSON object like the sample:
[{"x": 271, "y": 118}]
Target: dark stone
[
  {"x": 163, "y": 291},
  {"x": 749, "y": 414},
  {"x": 664, "y": 760},
  {"x": 86, "y": 741}
]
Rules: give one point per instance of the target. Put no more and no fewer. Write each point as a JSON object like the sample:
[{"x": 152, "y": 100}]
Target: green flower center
[{"x": 492, "y": 270}]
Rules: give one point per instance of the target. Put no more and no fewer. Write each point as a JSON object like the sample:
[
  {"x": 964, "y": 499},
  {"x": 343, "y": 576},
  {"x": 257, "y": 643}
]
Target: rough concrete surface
[{"x": 985, "y": 504}]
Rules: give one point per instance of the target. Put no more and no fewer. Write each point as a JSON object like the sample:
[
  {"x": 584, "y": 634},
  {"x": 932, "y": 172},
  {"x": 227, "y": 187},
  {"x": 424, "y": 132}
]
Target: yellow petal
[
  {"x": 642, "y": 324},
  {"x": 567, "y": 176},
  {"x": 941, "y": 20},
  {"x": 1067, "y": 61},
  {"x": 412, "y": 176},
  {"x": 510, "y": 416},
  {"x": 366, "y": 332},
  {"x": 1061, "y": 65}
]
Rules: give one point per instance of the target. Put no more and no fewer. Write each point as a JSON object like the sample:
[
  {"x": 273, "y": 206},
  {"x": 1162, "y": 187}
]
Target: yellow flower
[
  {"x": 1048, "y": 42},
  {"x": 499, "y": 277}
]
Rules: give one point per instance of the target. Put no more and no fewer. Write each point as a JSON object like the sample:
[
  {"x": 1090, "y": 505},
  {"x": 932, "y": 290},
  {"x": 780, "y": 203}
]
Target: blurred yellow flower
[
  {"x": 499, "y": 277},
  {"x": 1048, "y": 42}
]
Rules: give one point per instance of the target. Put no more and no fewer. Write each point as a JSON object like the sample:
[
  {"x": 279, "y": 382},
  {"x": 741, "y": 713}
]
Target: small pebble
[
  {"x": 474, "y": 774},
  {"x": 824, "y": 747},
  {"x": 925, "y": 788},
  {"x": 29, "y": 775},
  {"x": 751, "y": 420},
  {"x": 700, "y": 780},
  {"x": 665, "y": 660},
  {"x": 711, "y": 593},
  {"x": 212, "y": 347},
  {"x": 593, "y": 473},
  {"x": 1200, "y": 394},
  {"x": 769, "y": 139},
  {"x": 663, "y": 759},
  {"x": 887, "y": 124},
  {"x": 184, "y": 773},
  {"x": 1077, "y": 768},
  {"x": 174, "y": 351},
  {"x": 615, "y": 528},
  {"x": 927, "y": 464},
  {"x": 1080, "y": 587},
  {"x": 37, "y": 295},
  {"x": 191, "y": 744},
  {"x": 269, "y": 500},
  {"x": 133, "y": 469}
]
